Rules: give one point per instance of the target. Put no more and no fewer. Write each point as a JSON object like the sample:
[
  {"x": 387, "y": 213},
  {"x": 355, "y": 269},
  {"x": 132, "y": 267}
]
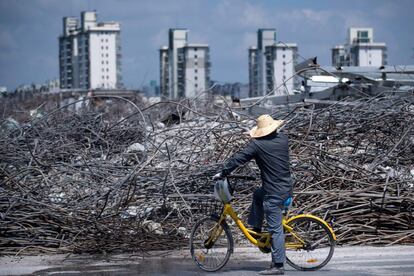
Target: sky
[{"x": 29, "y": 31}]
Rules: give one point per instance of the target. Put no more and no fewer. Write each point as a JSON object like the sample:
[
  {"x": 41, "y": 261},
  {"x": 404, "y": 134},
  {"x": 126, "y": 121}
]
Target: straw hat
[{"x": 265, "y": 126}]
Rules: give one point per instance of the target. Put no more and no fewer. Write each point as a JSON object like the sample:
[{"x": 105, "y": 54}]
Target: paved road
[{"x": 397, "y": 260}]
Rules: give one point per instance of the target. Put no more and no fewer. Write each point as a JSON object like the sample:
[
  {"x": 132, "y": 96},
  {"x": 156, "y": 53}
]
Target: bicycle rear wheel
[
  {"x": 310, "y": 245},
  {"x": 211, "y": 244}
]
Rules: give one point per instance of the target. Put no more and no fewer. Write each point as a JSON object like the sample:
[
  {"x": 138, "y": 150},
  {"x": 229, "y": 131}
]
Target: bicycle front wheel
[
  {"x": 211, "y": 244},
  {"x": 309, "y": 245}
]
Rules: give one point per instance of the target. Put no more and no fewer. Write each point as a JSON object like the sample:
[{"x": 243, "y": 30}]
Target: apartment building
[
  {"x": 90, "y": 53},
  {"x": 184, "y": 67},
  {"x": 360, "y": 50},
  {"x": 272, "y": 65}
]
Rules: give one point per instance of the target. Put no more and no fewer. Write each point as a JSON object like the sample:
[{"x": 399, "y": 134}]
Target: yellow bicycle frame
[
  {"x": 287, "y": 227},
  {"x": 228, "y": 211}
]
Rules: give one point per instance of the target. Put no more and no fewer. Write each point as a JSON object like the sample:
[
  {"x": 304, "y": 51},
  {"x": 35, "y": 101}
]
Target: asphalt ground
[{"x": 357, "y": 260}]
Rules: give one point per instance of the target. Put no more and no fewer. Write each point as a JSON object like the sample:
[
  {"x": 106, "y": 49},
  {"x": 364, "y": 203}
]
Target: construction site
[{"x": 120, "y": 174}]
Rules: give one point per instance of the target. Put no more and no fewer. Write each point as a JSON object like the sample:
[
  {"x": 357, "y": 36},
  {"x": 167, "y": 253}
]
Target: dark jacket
[{"x": 272, "y": 156}]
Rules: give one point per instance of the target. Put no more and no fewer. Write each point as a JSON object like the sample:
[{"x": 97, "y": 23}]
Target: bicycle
[{"x": 309, "y": 240}]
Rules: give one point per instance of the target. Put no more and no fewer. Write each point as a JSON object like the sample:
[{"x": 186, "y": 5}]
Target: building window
[
  {"x": 195, "y": 63},
  {"x": 195, "y": 56},
  {"x": 196, "y": 85},
  {"x": 106, "y": 55},
  {"x": 107, "y": 70},
  {"x": 195, "y": 78},
  {"x": 362, "y": 36},
  {"x": 195, "y": 49},
  {"x": 107, "y": 47},
  {"x": 284, "y": 63},
  {"x": 195, "y": 70},
  {"x": 283, "y": 56},
  {"x": 107, "y": 77}
]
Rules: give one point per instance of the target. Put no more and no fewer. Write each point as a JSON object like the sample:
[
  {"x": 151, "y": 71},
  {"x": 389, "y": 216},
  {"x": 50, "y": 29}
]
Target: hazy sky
[{"x": 29, "y": 32}]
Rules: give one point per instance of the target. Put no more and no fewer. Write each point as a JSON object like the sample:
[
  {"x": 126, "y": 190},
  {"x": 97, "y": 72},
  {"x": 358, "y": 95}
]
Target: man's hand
[{"x": 217, "y": 176}]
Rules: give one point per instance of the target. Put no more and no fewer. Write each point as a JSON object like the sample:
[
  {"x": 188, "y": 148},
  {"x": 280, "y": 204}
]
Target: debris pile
[
  {"x": 103, "y": 182},
  {"x": 355, "y": 165}
]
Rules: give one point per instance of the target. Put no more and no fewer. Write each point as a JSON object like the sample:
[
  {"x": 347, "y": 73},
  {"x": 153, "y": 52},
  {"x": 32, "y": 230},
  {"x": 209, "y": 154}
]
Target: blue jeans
[{"x": 272, "y": 208}]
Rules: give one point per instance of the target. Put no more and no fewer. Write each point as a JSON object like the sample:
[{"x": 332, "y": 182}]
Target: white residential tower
[
  {"x": 90, "y": 53},
  {"x": 184, "y": 67},
  {"x": 360, "y": 50},
  {"x": 271, "y": 65}
]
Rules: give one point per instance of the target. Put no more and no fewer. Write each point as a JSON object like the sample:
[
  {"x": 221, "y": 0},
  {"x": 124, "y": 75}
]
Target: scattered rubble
[{"x": 85, "y": 181}]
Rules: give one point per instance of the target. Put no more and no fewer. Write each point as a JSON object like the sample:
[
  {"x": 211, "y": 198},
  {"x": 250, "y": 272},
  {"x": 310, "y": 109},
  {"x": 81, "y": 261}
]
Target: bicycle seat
[{"x": 287, "y": 202}]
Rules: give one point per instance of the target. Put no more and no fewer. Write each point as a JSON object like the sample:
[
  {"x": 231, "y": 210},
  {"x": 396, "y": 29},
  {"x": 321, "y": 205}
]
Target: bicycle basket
[{"x": 222, "y": 191}]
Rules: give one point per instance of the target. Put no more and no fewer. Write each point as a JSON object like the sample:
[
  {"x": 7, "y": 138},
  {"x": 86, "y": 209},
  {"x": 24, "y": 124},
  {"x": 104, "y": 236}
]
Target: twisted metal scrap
[{"x": 92, "y": 181}]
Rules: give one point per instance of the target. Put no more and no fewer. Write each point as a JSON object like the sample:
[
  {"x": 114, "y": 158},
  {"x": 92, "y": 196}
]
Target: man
[{"x": 271, "y": 153}]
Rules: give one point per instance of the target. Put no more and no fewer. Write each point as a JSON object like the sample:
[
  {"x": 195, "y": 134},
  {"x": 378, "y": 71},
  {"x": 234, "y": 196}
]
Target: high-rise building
[
  {"x": 90, "y": 53},
  {"x": 184, "y": 67},
  {"x": 360, "y": 50},
  {"x": 271, "y": 65},
  {"x": 253, "y": 72}
]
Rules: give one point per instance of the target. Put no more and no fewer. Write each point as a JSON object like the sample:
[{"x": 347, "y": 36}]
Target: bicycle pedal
[{"x": 266, "y": 249}]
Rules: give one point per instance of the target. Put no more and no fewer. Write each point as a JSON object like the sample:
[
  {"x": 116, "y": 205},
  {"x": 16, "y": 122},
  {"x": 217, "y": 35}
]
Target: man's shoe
[{"x": 273, "y": 270}]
